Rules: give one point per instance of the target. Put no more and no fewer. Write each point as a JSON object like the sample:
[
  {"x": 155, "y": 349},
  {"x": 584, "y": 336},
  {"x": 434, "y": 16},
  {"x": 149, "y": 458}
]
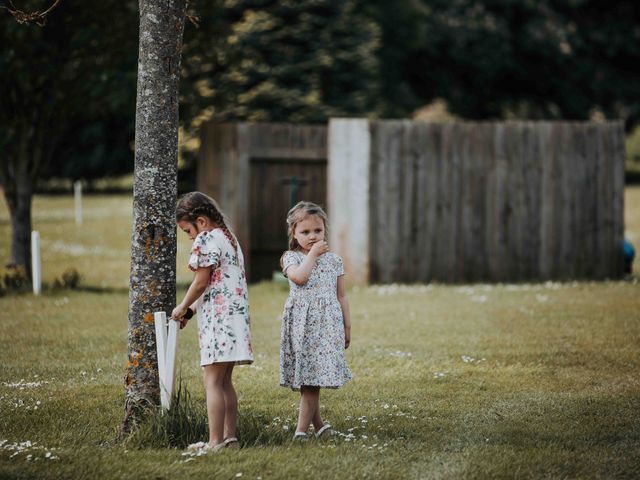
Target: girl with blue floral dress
[
  {"x": 316, "y": 325},
  {"x": 219, "y": 295}
]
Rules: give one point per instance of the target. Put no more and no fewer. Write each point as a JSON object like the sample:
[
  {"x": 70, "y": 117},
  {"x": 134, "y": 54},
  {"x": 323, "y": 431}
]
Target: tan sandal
[
  {"x": 206, "y": 446},
  {"x": 231, "y": 442},
  {"x": 325, "y": 432}
]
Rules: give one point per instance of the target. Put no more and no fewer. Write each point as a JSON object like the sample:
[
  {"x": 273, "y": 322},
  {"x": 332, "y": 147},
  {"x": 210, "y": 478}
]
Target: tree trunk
[
  {"x": 16, "y": 177},
  {"x": 18, "y": 196},
  {"x": 153, "y": 239},
  {"x": 21, "y": 228}
]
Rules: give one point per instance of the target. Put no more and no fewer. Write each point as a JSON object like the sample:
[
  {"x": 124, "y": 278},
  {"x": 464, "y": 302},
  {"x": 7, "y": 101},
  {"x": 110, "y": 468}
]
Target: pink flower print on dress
[{"x": 222, "y": 308}]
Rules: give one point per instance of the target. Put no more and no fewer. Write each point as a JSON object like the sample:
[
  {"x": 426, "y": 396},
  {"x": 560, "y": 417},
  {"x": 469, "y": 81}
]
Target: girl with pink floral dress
[{"x": 219, "y": 295}]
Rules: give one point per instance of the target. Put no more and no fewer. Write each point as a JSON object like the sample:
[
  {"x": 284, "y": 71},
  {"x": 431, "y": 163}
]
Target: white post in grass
[
  {"x": 36, "y": 273},
  {"x": 167, "y": 349},
  {"x": 77, "y": 195}
]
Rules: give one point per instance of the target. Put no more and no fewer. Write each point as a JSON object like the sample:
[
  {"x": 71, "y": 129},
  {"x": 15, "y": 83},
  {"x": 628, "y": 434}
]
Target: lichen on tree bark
[{"x": 153, "y": 238}]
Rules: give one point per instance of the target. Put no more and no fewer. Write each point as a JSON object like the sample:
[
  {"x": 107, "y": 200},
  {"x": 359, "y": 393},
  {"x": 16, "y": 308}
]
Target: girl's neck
[{"x": 209, "y": 226}]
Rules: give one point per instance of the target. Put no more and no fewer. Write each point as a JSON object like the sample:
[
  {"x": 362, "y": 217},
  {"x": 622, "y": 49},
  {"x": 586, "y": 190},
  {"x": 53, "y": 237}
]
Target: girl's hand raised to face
[{"x": 319, "y": 248}]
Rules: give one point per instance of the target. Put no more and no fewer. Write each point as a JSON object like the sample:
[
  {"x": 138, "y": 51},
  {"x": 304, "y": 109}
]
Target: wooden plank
[
  {"x": 425, "y": 198},
  {"x": 466, "y": 256},
  {"x": 566, "y": 258},
  {"x": 391, "y": 159},
  {"x": 618, "y": 158},
  {"x": 531, "y": 166},
  {"x": 499, "y": 244},
  {"x": 239, "y": 219},
  {"x": 443, "y": 266},
  {"x": 511, "y": 214},
  {"x": 379, "y": 241},
  {"x": 589, "y": 203},
  {"x": 581, "y": 233},
  {"x": 481, "y": 137},
  {"x": 490, "y": 203},
  {"x": 604, "y": 147},
  {"x": 563, "y": 205},
  {"x": 406, "y": 162},
  {"x": 543, "y": 141}
]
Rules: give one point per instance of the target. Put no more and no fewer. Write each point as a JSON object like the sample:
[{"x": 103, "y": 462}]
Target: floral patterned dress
[
  {"x": 312, "y": 336},
  {"x": 223, "y": 309}
]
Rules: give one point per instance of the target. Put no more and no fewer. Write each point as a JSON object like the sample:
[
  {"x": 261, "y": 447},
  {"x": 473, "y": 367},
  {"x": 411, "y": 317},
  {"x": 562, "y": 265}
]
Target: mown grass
[{"x": 478, "y": 381}]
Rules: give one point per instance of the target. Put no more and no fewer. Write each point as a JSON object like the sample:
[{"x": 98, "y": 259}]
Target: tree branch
[{"x": 39, "y": 18}]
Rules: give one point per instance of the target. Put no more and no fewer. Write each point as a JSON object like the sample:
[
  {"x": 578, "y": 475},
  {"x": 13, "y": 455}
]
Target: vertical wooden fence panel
[
  {"x": 617, "y": 198},
  {"x": 513, "y": 201}
]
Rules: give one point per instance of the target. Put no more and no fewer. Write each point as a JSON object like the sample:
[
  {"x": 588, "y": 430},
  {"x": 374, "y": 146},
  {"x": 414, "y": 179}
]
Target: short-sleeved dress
[
  {"x": 312, "y": 336},
  {"x": 223, "y": 309}
]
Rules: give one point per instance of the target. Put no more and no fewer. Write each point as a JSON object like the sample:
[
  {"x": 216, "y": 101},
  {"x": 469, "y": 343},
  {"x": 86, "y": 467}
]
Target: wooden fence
[
  {"x": 495, "y": 201},
  {"x": 255, "y": 171}
]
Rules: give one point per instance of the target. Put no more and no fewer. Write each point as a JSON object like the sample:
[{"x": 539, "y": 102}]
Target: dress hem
[
  {"x": 297, "y": 388},
  {"x": 235, "y": 362}
]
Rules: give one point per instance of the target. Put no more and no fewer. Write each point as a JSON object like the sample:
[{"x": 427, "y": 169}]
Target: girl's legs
[
  {"x": 214, "y": 388},
  {"x": 309, "y": 408},
  {"x": 317, "y": 419},
  {"x": 231, "y": 404}
]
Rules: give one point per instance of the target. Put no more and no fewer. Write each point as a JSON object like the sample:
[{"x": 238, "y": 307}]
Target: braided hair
[{"x": 196, "y": 204}]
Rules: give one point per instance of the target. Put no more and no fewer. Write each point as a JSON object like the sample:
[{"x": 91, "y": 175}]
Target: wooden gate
[
  {"x": 277, "y": 185},
  {"x": 257, "y": 172}
]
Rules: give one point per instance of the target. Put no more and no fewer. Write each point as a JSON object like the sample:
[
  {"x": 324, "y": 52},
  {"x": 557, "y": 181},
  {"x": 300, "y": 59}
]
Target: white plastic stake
[
  {"x": 77, "y": 194},
  {"x": 167, "y": 348},
  {"x": 36, "y": 272},
  {"x": 170, "y": 359},
  {"x": 160, "y": 319}
]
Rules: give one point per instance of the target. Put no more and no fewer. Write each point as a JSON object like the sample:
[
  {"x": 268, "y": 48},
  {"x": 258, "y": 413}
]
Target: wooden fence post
[{"x": 348, "y": 194}]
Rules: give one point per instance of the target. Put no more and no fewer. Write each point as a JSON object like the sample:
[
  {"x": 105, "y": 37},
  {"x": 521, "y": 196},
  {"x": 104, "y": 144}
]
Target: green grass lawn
[{"x": 477, "y": 381}]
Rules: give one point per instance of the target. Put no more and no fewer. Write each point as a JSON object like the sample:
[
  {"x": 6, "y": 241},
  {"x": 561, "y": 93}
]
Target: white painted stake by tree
[
  {"x": 77, "y": 194},
  {"x": 36, "y": 274},
  {"x": 167, "y": 348}
]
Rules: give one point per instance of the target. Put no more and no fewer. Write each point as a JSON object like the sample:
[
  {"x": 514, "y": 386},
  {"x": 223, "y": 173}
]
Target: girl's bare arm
[
  {"x": 299, "y": 274},
  {"x": 197, "y": 288}
]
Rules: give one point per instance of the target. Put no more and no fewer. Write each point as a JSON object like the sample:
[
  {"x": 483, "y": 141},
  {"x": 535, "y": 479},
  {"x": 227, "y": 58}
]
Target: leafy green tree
[
  {"x": 292, "y": 60},
  {"x": 67, "y": 92},
  {"x": 545, "y": 59}
]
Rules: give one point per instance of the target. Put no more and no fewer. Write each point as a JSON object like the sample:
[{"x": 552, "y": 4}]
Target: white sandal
[
  {"x": 231, "y": 442},
  {"x": 300, "y": 437},
  {"x": 196, "y": 446},
  {"x": 325, "y": 431},
  {"x": 206, "y": 446}
]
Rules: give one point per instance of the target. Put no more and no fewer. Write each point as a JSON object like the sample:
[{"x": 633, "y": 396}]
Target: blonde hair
[
  {"x": 196, "y": 204},
  {"x": 298, "y": 213}
]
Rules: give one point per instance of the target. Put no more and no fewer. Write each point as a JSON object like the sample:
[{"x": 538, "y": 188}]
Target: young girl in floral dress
[
  {"x": 219, "y": 294},
  {"x": 316, "y": 327}
]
